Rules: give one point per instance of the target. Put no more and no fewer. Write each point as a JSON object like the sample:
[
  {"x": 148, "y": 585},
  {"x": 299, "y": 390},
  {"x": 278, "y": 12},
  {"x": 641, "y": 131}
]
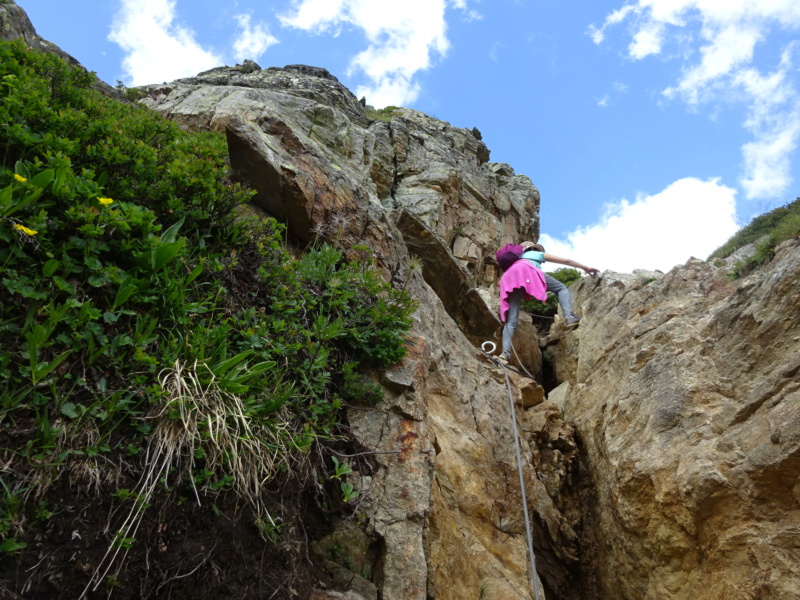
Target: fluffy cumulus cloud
[
  {"x": 402, "y": 40},
  {"x": 719, "y": 40},
  {"x": 690, "y": 218},
  {"x": 253, "y": 39},
  {"x": 157, "y": 48}
]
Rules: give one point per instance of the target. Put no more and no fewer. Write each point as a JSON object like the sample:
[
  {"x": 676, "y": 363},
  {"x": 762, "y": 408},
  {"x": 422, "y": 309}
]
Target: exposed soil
[{"x": 182, "y": 549}]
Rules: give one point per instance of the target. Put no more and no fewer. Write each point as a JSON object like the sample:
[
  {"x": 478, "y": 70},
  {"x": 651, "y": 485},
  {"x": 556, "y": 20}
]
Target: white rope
[{"x": 531, "y": 554}]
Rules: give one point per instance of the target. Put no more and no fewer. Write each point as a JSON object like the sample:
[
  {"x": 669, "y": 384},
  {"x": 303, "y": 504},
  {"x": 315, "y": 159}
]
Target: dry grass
[{"x": 201, "y": 420}]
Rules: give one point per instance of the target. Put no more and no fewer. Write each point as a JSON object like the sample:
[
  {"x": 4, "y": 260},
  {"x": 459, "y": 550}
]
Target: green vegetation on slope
[
  {"x": 774, "y": 227},
  {"x": 382, "y": 114},
  {"x": 566, "y": 276},
  {"x": 144, "y": 321}
]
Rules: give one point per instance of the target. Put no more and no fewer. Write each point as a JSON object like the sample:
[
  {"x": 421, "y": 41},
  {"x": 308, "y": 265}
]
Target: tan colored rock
[
  {"x": 466, "y": 250},
  {"x": 686, "y": 395},
  {"x": 444, "y": 505},
  {"x": 447, "y": 499},
  {"x": 531, "y": 393},
  {"x": 559, "y": 395},
  {"x": 498, "y": 589}
]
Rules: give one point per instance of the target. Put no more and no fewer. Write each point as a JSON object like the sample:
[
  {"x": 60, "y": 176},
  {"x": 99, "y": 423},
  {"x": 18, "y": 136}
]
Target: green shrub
[
  {"x": 565, "y": 275},
  {"x": 383, "y": 114},
  {"x": 777, "y": 224},
  {"x": 129, "y": 282},
  {"x": 786, "y": 228}
]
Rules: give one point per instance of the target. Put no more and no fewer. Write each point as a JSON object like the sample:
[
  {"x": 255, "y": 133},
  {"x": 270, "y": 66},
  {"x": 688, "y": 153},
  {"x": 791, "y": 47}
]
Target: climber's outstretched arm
[{"x": 570, "y": 263}]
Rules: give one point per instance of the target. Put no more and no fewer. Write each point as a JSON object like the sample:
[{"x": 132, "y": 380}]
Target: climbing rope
[
  {"x": 519, "y": 463},
  {"x": 519, "y": 362},
  {"x": 509, "y": 367}
]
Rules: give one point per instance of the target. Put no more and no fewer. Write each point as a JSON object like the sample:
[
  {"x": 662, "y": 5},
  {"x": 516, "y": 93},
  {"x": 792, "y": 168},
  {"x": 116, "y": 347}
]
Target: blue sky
[{"x": 652, "y": 128}]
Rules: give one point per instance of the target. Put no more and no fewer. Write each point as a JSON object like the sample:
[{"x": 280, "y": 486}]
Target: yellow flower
[
  {"x": 105, "y": 201},
  {"x": 20, "y": 178},
  {"x": 23, "y": 229}
]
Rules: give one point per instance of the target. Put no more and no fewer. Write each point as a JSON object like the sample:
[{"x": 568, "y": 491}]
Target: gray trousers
[{"x": 515, "y": 298}]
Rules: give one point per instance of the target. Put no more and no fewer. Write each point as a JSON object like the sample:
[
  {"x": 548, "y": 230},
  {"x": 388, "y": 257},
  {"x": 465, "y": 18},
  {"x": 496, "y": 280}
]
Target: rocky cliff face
[
  {"x": 682, "y": 387},
  {"x": 400, "y": 181},
  {"x": 686, "y": 397},
  {"x": 444, "y": 510},
  {"x": 674, "y": 470}
]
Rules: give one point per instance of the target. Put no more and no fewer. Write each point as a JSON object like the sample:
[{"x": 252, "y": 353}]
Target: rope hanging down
[{"x": 519, "y": 467}]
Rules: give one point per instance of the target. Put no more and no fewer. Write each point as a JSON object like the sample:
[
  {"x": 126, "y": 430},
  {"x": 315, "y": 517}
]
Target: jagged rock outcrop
[
  {"x": 685, "y": 391},
  {"x": 15, "y": 24},
  {"x": 443, "y": 514},
  {"x": 327, "y": 166}
]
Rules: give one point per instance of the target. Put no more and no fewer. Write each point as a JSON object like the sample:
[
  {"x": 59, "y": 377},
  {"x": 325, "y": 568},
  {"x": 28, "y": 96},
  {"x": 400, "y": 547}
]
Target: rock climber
[{"x": 525, "y": 279}]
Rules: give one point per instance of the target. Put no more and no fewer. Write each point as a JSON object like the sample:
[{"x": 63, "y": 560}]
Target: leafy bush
[
  {"x": 131, "y": 284},
  {"x": 565, "y": 275},
  {"x": 788, "y": 227},
  {"x": 383, "y": 114},
  {"x": 777, "y": 225}
]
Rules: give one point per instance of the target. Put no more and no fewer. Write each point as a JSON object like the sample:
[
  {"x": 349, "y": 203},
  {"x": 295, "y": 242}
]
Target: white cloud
[
  {"x": 767, "y": 167},
  {"x": 253, "y": 40},
  {"x": 647, "y": 41},
  {"x": 689, "y": 218},
  {"x": 725, "y": 35},
  {"x": 402, "y": 40},
  {"x": 318, "y": 15},
  {"x": 156, "y": 48},
  {"x": 599, "y": 34},
  {"x": 494, "y": 53},
  {"x": 774, "y": 121},
  {"x": 730, "y": 49}
]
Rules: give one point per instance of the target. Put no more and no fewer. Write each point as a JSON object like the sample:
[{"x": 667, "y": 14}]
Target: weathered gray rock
[
  {"x": 412, "y": 183},
  {"x": 686, "y": 396},
  {"x": 559, "y": 395},
  {"x": 412, "y": 162},
  {"x": 15, "y": 24},
  {"x": 639, "y": 278},
  {"x": 446, "y": 501}
]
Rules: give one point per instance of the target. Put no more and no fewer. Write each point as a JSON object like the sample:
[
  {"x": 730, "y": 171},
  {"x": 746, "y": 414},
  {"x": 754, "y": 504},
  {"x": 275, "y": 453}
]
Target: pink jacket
[{"x": 521, "y": 274}]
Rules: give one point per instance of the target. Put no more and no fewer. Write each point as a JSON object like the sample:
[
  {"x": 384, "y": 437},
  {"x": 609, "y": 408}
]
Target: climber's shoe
[
  {"x": 503, "y": 358},
  {"x": 573, "y": 322}
]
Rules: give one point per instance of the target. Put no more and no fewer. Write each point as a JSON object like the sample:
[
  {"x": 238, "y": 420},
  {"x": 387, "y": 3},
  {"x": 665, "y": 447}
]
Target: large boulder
[{"x": 685, "y": 391}]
